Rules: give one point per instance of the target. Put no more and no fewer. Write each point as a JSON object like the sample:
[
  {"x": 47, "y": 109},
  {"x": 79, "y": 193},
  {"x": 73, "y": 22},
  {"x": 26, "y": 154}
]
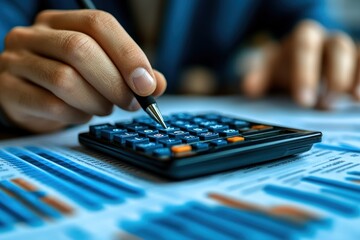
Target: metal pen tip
[{"x": 155, "y": 113}]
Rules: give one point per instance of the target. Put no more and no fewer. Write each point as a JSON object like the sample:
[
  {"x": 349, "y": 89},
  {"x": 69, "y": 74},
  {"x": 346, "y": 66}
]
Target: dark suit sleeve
[
  {"x": 14, "y": 13},
  {"x": 281, "y": 16}
]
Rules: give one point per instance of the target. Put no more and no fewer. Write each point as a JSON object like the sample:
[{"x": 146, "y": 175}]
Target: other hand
[{"x": 314, "y": 66}]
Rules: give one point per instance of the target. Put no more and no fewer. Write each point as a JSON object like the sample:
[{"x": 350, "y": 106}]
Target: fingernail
[
  {"x": 134, "y": 105},
  {"x": 142, "y": 80},
  {"x": 307, "y": 97}
]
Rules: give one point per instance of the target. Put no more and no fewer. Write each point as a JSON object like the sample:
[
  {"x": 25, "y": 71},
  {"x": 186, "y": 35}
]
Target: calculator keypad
[
  {"x": 187, "y": 134},
  {"x": 196, "y": 144}
]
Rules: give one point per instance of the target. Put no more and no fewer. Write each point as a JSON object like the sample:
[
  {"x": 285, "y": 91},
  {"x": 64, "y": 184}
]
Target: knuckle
[
  {"x": 131, "y": 52},
  {"x": 5, "y": 83},
  {"x": 62, "y": 79},
  {"x": 55, "y": 107},
  {"x": 6, "y": 58},
  {"x": 77, "y": 45},
  {"x": 24, "y": 99},
  {"x": 43, "y": 16},
  {"x": 14, "y": 36},
  {"x": 98, "y": 20}
]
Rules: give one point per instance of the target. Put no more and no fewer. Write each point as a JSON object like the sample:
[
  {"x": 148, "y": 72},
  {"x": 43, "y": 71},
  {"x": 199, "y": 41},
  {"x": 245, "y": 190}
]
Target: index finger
[
  {"x": 115, "y": 41},
  {"x": 306, "y": 56}
]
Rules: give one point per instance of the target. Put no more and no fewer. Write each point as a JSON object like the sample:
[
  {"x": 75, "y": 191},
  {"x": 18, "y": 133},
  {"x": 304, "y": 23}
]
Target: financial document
[{"x": 53, "y": 188}]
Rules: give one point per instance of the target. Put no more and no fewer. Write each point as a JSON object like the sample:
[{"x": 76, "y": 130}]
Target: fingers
[
  {"x": 305, "y": 62},
  {"x": 34, "y": 108},
  {"x": 257, "y": 67},
  {"x": 356, "y": 86},
  {"x": 340, "y": 61},
  {"x": 118, "y": 45},
  {"x": 60, "y": 79},
  {"x": 161, "y": 83},
  {"x": 81, "y": 52}
]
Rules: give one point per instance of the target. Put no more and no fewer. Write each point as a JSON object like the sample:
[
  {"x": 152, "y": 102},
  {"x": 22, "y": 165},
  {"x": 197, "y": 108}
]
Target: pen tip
[{"x": 154, "y": 112}]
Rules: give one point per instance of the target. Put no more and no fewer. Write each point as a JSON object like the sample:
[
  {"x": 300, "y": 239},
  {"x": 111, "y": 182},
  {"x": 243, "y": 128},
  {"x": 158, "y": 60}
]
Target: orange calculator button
[
  {"x": 235, "y": 139},
  {"x": 261, "y": 127},
  {"x": 181, "y": 148}
]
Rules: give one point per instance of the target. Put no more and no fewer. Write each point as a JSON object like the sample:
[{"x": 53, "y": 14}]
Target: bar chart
[{"x": 44, "y": 192}]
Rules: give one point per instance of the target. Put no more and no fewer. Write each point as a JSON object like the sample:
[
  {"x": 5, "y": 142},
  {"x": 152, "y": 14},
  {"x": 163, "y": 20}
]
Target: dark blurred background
[{"x": 348, "y": 13}]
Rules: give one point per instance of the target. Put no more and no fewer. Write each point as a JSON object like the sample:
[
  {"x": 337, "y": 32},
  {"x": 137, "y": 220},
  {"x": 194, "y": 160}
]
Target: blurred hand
[
  {"x": 313, "y": 66},
  {"x": 69, "y": 66}
]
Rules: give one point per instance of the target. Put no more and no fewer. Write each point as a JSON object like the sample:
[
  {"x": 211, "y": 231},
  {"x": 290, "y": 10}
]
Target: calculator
[{"x": 196, "y": 144}]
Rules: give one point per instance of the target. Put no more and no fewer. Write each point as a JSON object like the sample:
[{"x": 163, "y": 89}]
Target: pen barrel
[
  {"x": 145, "y": 101},
  {"x": 86, "y": 4}
]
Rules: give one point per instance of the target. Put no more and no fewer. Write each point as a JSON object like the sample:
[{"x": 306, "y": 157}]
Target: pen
[{"x": 147, "y": 103}]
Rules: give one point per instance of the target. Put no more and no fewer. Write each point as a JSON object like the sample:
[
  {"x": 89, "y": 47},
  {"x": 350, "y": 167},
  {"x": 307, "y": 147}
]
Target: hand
[
  {"x": 313, "y": 66},
  {"x": 69, "y": 66}
]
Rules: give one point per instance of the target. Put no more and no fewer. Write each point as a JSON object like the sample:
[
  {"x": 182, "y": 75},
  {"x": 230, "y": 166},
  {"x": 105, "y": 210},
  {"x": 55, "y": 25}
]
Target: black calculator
[{"x": 196, "y": 144}]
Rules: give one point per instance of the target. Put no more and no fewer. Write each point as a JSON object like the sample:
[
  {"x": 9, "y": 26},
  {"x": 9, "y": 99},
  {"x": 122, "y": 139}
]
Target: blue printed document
[{"x": 53, "y": 188}]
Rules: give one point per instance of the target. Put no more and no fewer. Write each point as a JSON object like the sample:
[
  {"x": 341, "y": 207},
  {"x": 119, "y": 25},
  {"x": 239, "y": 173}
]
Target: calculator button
[
  {"x": 186, "y": 127},
  {"x": 168, "y": 119},
  {"x": 190, "y": 139},
  {"x": 161, "y": 152},
  {"x": 211, "y": 116},
  {"x": 200, "y": 146},
  {"x": 136, "y": 127},
  {"x": 181, "y": 148},
  {"x": 261, "y": 127},
  {"x": 178, "y": 134},
  {"x": 147, "y": 132},
  {"x": 156, "y": 125},
  {"x": 235, "y": 139},
  {"x": 157, "y": 137},
  {"x": 229, "y": 133},
  {"x": 180, "y": 123},
  {"x": 148, "y": 147},
  {"x": 197, "y": 131},
  {"x": 198, "y": 120},
  {"x": 95, "y": 130},
  {"x": 169, "y": 130},
  {"x": 207, "y": 123},
  {"x": 108, "y": 134},
  {"x": 218, "y": 128},
  {"x": 121, "y": 138},
  {"x": 226, "y": 120},
  {"x": 208, "y": 135},
  {"x": 218, "y": 142},
  {"x": 239, "y": 124},
  {"x": 136, "y": 140},
  {"x": 170, "y": 142}
]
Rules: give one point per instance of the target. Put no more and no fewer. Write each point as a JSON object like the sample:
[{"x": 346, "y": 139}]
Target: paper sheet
[{"x": 311, "y": 196}]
